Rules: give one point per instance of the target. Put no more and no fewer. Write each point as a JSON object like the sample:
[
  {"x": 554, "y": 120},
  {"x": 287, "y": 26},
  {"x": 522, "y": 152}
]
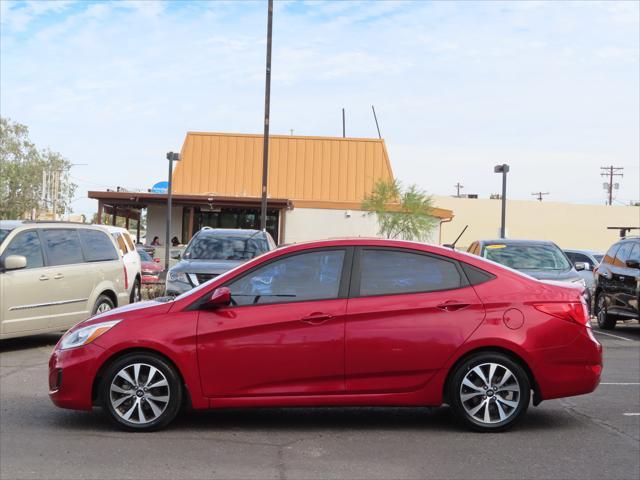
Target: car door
[
  {"x": 25, "y": 294},
  {"x": 620, "y": 272},
  {"x": 283, "y": 334},
  {"x": 604, "y": 273},
  {"x": 629, "y": 294},
  {"x": 408, "y": 313},
  {"x": 72, "y": 279}
]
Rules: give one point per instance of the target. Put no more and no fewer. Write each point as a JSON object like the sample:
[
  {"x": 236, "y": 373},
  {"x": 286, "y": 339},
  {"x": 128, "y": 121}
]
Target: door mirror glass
[
  {"x": 15, "y": 262},
  {"x": 221, "y": 297},
  {"x": 581, "y": 266},
  {"x": 633, "y": 263}
]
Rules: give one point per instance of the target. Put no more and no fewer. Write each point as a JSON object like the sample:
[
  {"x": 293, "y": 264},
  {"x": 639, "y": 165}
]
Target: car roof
[
  {"x": 514, "y": 241},
  {"x": 238, "y": 232},
  {"x": 579, "y": 250},
  {"x": 12, "y": 224},
  {"x": 114, "y": 229}
]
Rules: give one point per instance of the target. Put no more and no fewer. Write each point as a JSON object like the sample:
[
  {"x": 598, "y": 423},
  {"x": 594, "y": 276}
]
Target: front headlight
[
  {"x": 178, "y": 277},
  {"x": 85, "y": 335},
  {"x": 580, "y": 281}
]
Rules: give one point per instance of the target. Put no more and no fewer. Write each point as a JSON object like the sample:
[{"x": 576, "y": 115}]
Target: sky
[{"x": 551, "y": 88}]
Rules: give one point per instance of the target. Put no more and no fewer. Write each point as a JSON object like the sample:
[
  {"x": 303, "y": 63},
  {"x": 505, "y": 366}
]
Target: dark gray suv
[{"x": 213, "y": 251}]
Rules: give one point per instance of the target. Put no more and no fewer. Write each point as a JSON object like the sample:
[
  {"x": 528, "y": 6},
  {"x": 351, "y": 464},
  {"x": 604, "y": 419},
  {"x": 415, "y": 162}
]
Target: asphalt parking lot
[{"x": 593, "y": 436}]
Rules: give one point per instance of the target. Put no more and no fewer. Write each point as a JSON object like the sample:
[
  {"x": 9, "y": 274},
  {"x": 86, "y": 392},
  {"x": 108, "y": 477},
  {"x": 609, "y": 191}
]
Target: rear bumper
[
  {"x": 570, "y": 370},
  {"x": 71, "y": 375}
]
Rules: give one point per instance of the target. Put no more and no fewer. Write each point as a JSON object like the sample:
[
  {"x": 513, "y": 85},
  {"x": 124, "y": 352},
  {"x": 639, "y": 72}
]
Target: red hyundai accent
[{"x": 337, "y": 323}]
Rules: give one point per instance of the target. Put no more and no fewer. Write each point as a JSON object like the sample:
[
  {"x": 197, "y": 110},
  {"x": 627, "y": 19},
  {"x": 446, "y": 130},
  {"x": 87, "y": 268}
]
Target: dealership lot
[{"x": 593, "y": 436}]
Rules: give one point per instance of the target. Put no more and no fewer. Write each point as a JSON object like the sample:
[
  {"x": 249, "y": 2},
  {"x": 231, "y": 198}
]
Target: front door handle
[
  {"x": 42, "y": 278},
  {"x": 316, "y": 318},
  {"x": 452, "y": 306},
  {"x": 58, "y": 276}
]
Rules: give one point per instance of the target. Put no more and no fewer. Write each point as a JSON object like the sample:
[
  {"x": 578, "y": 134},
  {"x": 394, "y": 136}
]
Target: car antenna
[{"x": 452, "y": 246}]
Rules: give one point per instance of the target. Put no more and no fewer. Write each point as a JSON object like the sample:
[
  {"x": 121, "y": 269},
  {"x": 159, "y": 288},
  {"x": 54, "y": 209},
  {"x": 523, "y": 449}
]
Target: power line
[
  {"x": 539, "y": 195},
  {"x": 611, "y": 172}
]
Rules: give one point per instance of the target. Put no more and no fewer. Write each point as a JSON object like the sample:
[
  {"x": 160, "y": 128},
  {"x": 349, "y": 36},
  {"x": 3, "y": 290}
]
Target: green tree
[
  {"x": 403, "y": 213},
  {"x": 22, "y": 168}
]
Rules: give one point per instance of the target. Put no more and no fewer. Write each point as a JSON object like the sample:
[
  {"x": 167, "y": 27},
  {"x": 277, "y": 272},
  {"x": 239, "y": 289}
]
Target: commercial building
[{"x": 315, "y": 187}]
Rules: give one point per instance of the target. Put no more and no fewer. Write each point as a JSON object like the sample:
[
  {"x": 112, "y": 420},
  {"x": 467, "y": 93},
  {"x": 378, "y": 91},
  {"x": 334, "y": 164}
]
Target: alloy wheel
[
  {"x": 490, "y": 393},
  {"x": 103, "y": 307},
  {"x": 139, "y": 393}
]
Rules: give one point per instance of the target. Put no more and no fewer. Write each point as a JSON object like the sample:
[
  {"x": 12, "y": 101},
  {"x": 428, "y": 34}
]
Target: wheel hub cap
[{"x": 139, "y": 393}]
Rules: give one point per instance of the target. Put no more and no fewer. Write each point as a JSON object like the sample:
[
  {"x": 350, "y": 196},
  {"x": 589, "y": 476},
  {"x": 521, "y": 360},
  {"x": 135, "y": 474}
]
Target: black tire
[
  {"x": 103, "y": 304},
  {"x": 605, "y": 320},
  {"x": 118, "y": 413},
  {"x": 479, "y": 397},
  {"x": 136, "y": 292}
]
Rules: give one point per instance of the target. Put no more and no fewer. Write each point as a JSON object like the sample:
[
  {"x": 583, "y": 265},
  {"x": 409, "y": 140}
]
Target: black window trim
[
  {"x": 343, "y": 289},
  {"x": 354, "y": 291}
]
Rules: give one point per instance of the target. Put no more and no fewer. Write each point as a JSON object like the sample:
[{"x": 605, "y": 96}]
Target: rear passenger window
[
  {"x": 121, "y": 245},
  {"x": 610, "y": 255},
  {"x": 62, "y": 246},
  {"x": 623, "y": 254},
  {"x": 388, "y": 272},
  {"x": 28, "y": 245},
  {"x": 97, "y": 246},
  {"x": 129, "y": 241}
]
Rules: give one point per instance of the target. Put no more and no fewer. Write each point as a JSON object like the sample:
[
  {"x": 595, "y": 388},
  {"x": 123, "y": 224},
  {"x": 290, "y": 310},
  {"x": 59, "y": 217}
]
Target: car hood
[
  {"x": 138, "y": 309},
  {"x": 151, "y": 267},
  {"x": 557, "y": 275},
  {"x": 205, "y": 266}
]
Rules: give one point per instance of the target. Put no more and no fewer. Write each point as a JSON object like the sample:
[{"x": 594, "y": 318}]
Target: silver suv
[
  {"x": 213, "y": 251},
  {"x": 54, "y": 275}
]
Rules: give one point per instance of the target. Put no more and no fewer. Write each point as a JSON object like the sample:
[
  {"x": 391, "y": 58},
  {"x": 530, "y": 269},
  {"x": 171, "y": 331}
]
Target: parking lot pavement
[{"x": 592, "y": 436}]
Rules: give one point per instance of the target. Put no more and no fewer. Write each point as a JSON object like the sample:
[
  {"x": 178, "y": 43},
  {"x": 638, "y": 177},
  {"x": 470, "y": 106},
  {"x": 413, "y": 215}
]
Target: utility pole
[
  {"x": 375, "y": 117},
  {"x": 267, "y": 104},
  {"x": 610, "y": 172},
  {"x": 539, "y": 195},
  {"x": 458, "y": 186},
  {"x": 503, "y": 169},
  {"x": 344, "y": 131}
]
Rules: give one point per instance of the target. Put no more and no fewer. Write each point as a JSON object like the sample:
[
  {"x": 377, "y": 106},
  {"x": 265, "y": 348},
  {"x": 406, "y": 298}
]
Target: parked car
[
  {"x": 54, "y": 275},
  {"x": 337, "y": 323},
  {"x": 589, "y": 260},
  {"x": 617, "y": 283},
  {"x": 213, "y": 251},
  {"x": 131, "y": 258},
  {"x": 151, "y": 268}
]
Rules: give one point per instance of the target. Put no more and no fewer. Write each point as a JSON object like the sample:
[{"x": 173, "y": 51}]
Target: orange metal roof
[
  {"x": 314, "y": 172},
  {"x": 324, "y": 169}
]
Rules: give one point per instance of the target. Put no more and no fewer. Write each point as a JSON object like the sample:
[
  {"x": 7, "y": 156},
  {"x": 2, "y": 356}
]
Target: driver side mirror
[
  {"x": 633, "y": 263},
  {"x": 581, "y": 266},
  {"x": 221, "y": 297},
  {"x": 15, "y": 262}
]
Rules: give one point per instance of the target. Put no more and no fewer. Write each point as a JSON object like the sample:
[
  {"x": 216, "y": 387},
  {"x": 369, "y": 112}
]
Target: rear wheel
[
  {"x": 141, "y": 392},
  {"x": 136, "y": 292},
  {"x": 605, "y": 320},
  {"x": 489, "y": 392}
]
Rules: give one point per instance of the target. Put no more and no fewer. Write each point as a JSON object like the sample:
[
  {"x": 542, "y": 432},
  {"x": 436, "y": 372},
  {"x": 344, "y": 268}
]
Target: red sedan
[{"x": 336, "y": 323}]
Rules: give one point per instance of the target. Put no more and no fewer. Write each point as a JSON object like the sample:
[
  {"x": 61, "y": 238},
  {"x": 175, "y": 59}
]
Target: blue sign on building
[{"x": 160, "y": 187}]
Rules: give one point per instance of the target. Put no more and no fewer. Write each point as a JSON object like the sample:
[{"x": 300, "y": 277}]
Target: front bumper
[{"x": 71, "y": 375}]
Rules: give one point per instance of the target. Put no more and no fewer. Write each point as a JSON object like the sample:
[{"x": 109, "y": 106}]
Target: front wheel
[
  {"x": 489, "y": 392},
  {"x": 103, "y": 304},
  {"x": 141, "y": 392},
  {"x": 605, "y": 320}
]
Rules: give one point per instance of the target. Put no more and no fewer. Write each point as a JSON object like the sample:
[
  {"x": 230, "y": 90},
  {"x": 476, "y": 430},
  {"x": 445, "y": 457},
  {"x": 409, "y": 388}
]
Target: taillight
[
  {"x": 126, "y": 278},
  {"x": 572, "y": 312}
]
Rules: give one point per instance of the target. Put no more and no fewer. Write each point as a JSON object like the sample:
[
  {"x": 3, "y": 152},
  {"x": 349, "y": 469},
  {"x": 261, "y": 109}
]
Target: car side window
[
  {"x": 623, "y": 254},
  {"x": 97, "y": 246},
  {"x": 28, "y": 245},
  {"x": 306, "y": 276},
  {"x": 635, "y": 252},
  {"x": 121, "y": 244},
  {"x": 389, "y": 272},
  {"x": 579, "y": 257},
  {"x": 129, "y": 241},
  {"x": 62, "y": 246},
  {"x": 611, "y": 254}
]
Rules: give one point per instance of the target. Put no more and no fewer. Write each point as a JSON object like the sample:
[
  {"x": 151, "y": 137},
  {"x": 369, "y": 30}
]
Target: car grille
[{"x": 205, "y": 277}]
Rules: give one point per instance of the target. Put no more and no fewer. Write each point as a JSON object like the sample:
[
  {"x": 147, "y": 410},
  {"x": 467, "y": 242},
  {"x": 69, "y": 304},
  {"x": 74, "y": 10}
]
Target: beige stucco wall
[
  {"x": 569, "y": 225},
  {"x": 157, "y": 221},
  {"x": 305, "y": 224}
]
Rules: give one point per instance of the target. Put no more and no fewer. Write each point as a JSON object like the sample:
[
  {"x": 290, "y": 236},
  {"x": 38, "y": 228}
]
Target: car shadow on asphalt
[
  {"x": 34, "y": 341},
  {"x": 251, "y": 420}
]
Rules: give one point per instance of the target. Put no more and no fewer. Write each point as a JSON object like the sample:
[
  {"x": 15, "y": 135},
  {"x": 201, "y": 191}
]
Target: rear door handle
[
  {"x": 452, "y": 306},
  {"x": 42, "y": 278},
  {"x": 316, "y": 318},
  {"x": 58, "y": 276}
]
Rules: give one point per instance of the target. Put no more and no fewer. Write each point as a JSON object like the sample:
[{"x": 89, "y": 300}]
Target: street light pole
[
  {"x": 504, "y": 168},
  {"x": 267, "y": 103},
  {"x": 171, "y": 156}
]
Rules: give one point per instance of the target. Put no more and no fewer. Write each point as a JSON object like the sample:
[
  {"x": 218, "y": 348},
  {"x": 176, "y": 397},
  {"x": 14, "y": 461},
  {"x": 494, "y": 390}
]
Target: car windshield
[
  {"x": 217, "y": 247},
  {"x": 144, "y": 256},
  {"x": 3, "y": 234},
  {"x": 527, "y": 257}
]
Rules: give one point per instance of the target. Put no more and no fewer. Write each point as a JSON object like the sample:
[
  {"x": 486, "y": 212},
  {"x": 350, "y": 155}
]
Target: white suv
[
  {"x": 131, "y": 258},
  {"x": 54, "y": 275}
]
